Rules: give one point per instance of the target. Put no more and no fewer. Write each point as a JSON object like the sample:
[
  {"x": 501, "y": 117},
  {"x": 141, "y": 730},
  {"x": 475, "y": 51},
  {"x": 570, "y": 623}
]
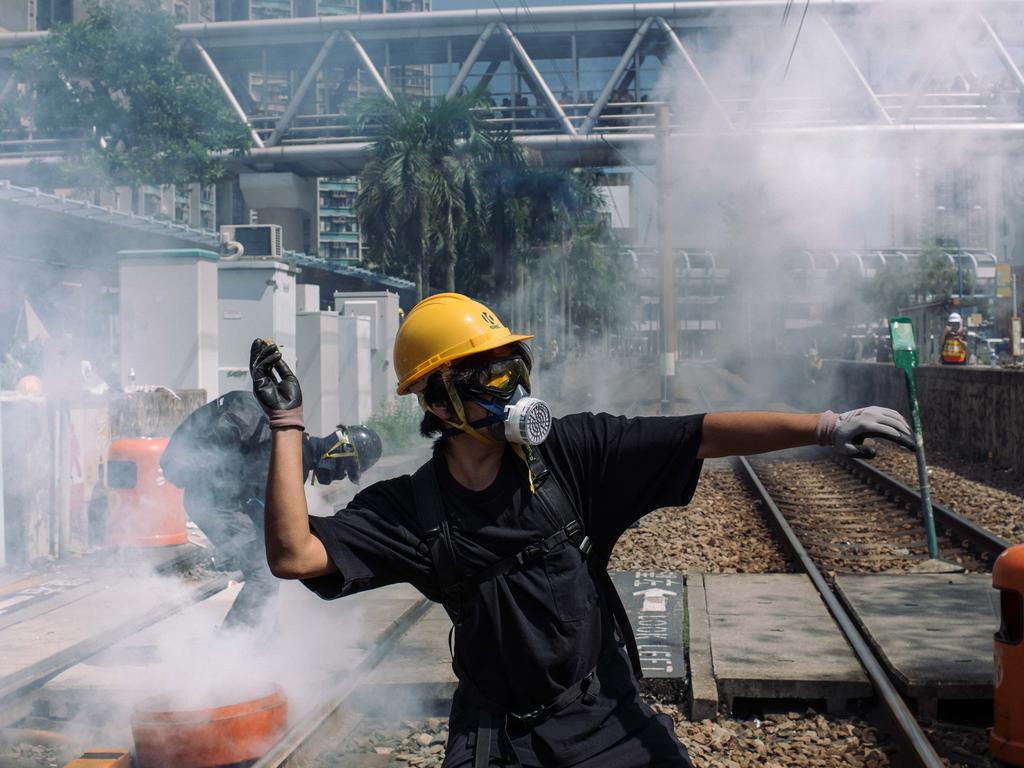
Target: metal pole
[
  {"x": 293, "y": 106},
  {"x": 922, "y": 468},
  {"x": 959, "y": 275},
  {"x": 609, "y": 86},
  {"x": 368, "y": 65},
  {"x": 680, "y": 49},
  {"x": 226, "y": 90},
  {"x": 668, "y": 267},
  {"x": 467, "y": 65},
  {"x": 534, "y": 74}
]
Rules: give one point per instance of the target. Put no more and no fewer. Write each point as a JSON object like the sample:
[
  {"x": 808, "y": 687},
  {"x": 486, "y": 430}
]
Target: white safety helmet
[{"x": 954, "y": 318}]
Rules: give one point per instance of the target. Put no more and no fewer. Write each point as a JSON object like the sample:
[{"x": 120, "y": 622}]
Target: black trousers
[
  {"x": 654, "y": 746},
  {"x": 234, "y": 525}
]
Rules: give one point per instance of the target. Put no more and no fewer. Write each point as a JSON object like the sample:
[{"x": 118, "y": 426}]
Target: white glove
[{"x": 846, "y": 432}]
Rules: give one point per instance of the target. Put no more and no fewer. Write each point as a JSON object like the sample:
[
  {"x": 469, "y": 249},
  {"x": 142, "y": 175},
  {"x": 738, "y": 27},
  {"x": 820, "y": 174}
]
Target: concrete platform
[
  {"x": 417, "y": 678},
  {"x": 933, "y": 632},
  {"x": 771, "y": 637}
]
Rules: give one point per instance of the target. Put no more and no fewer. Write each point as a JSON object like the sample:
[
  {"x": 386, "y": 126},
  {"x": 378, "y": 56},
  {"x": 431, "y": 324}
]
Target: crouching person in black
[
  {"x": 220, "y": 455},
  {"x": 510, "y": 526}
]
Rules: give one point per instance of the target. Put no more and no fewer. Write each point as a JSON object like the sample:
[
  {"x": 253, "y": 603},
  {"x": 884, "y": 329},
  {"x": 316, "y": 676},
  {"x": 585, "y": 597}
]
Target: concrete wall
[
  {"x": 168, "y": 319},
  {"x": 976, "y": 412}
]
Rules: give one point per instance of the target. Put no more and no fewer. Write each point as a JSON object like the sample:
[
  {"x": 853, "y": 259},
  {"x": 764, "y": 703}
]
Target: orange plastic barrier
[
  {"x": 143, "y": 508},
  {"x": 202, "y": 738},
  {"x": 1007, "y": 740}
]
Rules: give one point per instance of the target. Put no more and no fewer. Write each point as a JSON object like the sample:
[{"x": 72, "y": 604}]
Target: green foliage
[
  {"x": 929, "y": 277},
  {"x": 421, "y": 199},
  {"x": 449, "y": 199},
  {"x": 398, "y": 424},
  {"x": 114, "y": 83}
]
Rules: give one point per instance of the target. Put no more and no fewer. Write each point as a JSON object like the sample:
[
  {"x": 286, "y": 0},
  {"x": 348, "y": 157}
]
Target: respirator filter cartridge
[{"x": 527, "y": 422}]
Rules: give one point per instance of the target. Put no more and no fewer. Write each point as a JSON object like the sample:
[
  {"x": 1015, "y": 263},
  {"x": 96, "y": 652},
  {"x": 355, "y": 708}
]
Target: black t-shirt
[{"x": 533, "y": 632}]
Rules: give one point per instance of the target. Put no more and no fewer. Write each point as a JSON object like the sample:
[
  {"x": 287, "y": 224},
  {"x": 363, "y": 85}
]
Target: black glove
[{"x": 281, "y": 397}]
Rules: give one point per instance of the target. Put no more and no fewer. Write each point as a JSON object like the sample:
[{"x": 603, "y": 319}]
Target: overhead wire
[{"x": 796, "y": 39}]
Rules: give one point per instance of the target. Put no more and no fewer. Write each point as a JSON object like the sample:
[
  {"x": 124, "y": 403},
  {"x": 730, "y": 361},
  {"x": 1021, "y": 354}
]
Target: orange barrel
[
  {"x": 143, "y": 508},
  {"x": 1007, "y": 740},
  {"x": 203, "y": 738}
]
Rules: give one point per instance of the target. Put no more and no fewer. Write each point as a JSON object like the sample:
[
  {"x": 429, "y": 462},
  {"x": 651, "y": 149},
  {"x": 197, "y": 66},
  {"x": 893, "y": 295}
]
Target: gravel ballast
[
  {"x": 988, "y": 495},
  {"x": 719, "y": 531}
]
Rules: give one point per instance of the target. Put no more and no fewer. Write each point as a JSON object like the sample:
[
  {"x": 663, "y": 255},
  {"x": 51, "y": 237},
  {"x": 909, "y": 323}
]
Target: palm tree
[{"x": 422, "y": 196}]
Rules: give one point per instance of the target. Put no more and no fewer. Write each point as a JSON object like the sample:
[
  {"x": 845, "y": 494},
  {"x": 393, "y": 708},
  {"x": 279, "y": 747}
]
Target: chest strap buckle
[{"x": 585, "y": 546}]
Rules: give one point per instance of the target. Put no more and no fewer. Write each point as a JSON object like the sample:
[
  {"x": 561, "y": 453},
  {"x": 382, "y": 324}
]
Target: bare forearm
[
  {"x": 740, "y": 433},
  {"x": 292, "y": 551}
]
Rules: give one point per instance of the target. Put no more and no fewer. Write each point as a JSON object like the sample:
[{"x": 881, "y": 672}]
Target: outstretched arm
[
  {"x": 741, "y": 433},
  {"x": 292, "y": 551}
]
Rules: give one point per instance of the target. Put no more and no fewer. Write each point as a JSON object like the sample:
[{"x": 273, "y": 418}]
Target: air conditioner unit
[{"x": 261, "y": 241}]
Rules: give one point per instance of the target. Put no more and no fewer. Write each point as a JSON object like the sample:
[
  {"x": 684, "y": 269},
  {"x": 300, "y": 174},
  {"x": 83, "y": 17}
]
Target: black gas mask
[{"x": 502, "y": 388}]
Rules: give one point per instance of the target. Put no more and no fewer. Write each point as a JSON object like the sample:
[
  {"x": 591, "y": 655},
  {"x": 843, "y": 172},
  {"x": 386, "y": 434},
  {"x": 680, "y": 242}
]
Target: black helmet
[{"x": 367, "y": 446}]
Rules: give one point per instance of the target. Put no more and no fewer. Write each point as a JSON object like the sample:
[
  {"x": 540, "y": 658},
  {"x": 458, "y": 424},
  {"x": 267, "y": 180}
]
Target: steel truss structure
[{"x": 896, "y": 70}]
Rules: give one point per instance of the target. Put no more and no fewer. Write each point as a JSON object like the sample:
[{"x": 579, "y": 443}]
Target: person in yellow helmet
[{"x": 510, "y": 526}]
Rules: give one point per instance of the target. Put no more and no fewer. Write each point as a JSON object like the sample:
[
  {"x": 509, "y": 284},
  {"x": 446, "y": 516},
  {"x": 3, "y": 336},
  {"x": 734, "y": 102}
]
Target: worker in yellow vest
[{"x": 954, "y": 343}]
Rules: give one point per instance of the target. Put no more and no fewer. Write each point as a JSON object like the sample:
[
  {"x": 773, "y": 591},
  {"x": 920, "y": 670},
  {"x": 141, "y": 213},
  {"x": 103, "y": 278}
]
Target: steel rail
[
  {"x": 955, "y": 525},
  {"x": 17, "y": 689},
  {"x": 332, "y": 711},
  {"x": 908, "y": 729}
]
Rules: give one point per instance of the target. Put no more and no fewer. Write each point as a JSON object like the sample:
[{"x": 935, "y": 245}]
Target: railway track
[
  {"x": 850, "y": 526},
  {"x": 845, "y": 515}
]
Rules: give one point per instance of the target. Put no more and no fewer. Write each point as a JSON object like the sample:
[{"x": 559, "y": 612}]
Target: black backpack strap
[
  {"x": 553, "y": 498},
  {"x": 436, "y": 533}
]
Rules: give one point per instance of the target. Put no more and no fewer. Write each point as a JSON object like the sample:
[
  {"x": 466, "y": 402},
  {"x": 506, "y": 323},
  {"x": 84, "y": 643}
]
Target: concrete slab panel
[
  {"x": 656, "y": 604},
  {"x": 772, "y": 637},
  {"x": 932, "y": 631},
  {"x": 703, "y": 690}
]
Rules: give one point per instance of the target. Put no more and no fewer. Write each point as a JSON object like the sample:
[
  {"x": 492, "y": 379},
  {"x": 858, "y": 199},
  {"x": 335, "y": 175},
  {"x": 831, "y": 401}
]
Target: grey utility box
[
  {"x": 383, "y": 312},
  {"x": 354, "y": 382},
  {"x": 168, "y": 318},
  {"x": 318, "y": 370},
  {"x": 256, "y": 298}
]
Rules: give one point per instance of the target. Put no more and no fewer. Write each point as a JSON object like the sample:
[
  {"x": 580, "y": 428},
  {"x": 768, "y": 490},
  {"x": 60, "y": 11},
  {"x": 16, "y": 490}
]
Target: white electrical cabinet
[
  {"x": 382, "y": 309},
  {"x": 318, "y": 370},
  {"x": 256, "y": 299},
  {"x": 355, "y": 390},
  {"x": 168, "y": 317}
]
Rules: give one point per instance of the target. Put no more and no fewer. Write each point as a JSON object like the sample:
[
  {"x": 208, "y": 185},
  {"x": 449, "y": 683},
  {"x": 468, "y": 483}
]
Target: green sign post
[{"x": 904, "y": 357}]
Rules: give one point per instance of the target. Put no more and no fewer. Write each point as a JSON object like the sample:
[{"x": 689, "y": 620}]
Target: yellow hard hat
[{"x": 444, "y": 328}]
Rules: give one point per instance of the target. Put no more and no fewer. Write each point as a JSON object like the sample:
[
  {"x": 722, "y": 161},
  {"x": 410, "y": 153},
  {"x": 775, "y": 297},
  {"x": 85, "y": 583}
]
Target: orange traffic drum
[
  {"x": 143, "y": 508},
  {"x": 218, "y": 734}
]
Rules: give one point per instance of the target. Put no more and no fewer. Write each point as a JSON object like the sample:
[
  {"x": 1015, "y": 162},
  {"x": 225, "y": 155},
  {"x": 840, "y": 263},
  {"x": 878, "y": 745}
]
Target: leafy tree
[
  {"x": 421, "y": 198},
  {"x": 929, "y": 277},
  {"x": 447, "y": 194},
  {"x": 114, "y": 85}
]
